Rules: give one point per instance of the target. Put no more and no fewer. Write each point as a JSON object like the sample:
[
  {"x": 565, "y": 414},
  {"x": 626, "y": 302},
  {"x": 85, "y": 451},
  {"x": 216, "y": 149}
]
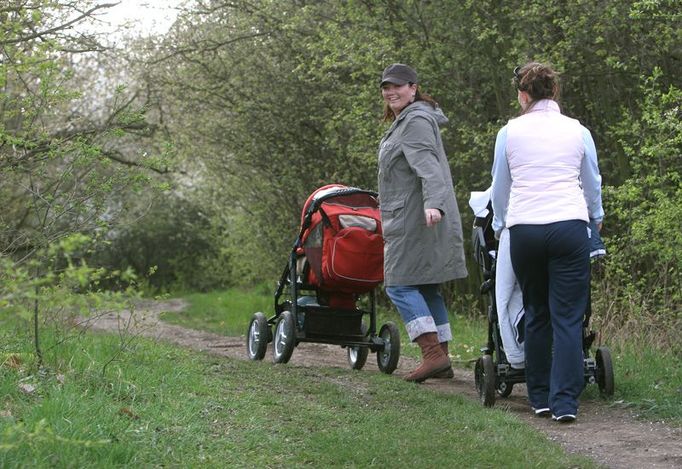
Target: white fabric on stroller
[
  {"x": 509, "y": 301},
  {"x": 478, "y": 201},
  {"x": 508, "y": 296}
]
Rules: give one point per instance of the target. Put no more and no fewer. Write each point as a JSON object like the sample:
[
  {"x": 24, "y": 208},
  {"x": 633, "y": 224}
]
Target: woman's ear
[{"x": 523, "y": 98}]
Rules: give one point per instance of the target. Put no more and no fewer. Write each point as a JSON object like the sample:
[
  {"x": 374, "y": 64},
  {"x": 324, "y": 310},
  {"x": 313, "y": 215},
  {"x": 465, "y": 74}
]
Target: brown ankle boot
[
  {"x": 447, "y": 374},
  {"x": 433, "y": 358}
]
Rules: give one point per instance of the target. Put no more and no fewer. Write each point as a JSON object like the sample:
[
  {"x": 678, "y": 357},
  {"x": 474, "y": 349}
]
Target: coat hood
[{"x": 423, "y": 106}]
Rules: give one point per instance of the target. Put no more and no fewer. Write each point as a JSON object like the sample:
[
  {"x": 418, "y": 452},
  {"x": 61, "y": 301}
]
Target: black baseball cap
[{"x": 398, "y": 74}]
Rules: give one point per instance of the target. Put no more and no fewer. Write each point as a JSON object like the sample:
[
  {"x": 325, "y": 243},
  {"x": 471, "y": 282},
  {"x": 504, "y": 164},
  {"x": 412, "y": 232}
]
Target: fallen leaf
[
  {"x": 27, "y": 388},
  {"x": 128, "y": 413}
]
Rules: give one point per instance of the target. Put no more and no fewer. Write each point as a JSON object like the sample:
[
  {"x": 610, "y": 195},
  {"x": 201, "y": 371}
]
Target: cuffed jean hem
[
  {"x": 419, "y": 326},
  {"x": 444, "y": 332}
]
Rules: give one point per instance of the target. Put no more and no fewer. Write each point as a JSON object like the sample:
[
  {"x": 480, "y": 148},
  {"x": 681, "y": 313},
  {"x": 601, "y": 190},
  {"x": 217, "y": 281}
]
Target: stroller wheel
[
  {"x": 258, "y": 337},
  {"x": 484, "y": 375},
  {"x": 604, "y": 371},
  {"x": 357, "y": 356},
  {"x": 387, "y": 357},
  {"x": 285, "y": 338},
  {"x": 504, "y": 389}
]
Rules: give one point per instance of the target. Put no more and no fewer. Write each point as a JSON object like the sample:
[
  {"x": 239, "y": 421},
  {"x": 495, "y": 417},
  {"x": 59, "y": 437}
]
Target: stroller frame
[
  {"x": 493, "y": 373},
  {"x": 297, "y": 318}
]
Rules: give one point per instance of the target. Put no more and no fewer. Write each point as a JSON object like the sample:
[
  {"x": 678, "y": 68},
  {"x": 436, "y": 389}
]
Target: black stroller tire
[
  {"x": 388, "y": 356},
  {"x": 484, "y": 376},
  {"x": 604, "y": 371},
  {"x": 285, "y": 338},
  {"x": 357, "y": 356},
  {"x": 257, "y": 337}
]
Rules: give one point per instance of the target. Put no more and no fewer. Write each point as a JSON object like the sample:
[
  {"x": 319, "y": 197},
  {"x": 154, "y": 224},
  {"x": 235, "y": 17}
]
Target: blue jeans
[
  {"x": 552, "y": 264},
  {"x": 422, "y": 309}
]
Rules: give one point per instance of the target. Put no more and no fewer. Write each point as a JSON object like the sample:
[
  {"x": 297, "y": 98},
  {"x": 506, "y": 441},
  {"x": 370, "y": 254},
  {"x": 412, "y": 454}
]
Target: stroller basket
[{"x": 321, "y": 322}]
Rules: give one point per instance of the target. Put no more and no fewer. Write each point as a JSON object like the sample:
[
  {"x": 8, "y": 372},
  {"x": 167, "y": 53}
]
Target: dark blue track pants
[{"x": 552, "y": 265}]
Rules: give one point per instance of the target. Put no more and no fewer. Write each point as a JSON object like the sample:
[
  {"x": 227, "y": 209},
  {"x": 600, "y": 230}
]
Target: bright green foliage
[
  {"x": 55, "y": 293},
  {"x": 64, "y": 164},
  {"x": 56, "y": 175},
  {"x": 644, "y": 263}
]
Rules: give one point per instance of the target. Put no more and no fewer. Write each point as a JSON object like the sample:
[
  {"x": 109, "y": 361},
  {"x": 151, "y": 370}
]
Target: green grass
[
  {"x": 223, "y": 312},
  {"x": 103, "y": 403},
  {"x": 648, "y": 380},
  {"x": 158, "y": 405}
]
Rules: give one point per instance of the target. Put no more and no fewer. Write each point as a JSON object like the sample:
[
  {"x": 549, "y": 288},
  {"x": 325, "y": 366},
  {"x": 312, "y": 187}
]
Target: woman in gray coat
[{"x": 421, "y": 221}]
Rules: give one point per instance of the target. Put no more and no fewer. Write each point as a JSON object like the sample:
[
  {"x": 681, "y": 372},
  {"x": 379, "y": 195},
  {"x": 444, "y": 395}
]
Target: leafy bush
[
  {"x": 52, "y": 295},
  {"x": 175, "y": 246},
  {"x": 642, "y": 226}
]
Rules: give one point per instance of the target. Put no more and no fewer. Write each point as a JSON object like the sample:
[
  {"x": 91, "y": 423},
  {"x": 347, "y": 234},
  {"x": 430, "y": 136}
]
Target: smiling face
[{"x": 397, "y": 97}]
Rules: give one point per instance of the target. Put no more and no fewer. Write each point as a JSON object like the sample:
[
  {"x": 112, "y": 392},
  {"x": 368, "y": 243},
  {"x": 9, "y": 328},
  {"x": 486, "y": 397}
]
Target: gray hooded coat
[{"x": 414, "y": 175}]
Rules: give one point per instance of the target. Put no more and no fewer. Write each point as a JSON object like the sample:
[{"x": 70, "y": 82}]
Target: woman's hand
[{"x": 432, "y": 215}]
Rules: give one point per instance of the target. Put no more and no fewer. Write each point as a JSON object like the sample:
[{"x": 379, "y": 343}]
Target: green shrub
[{"x": 639, "y": 293}]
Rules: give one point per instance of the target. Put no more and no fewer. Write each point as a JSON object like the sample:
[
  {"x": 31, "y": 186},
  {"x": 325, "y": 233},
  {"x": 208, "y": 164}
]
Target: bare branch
[
  {"x": 40, "y": 34},
  {"x": 118, "y": 157}
]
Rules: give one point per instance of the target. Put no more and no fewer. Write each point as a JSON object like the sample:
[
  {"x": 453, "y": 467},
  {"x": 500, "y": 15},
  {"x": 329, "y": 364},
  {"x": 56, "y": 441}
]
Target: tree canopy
[
  {"x": 259, "y": 102},
  {"x": 275, "y": 98}
]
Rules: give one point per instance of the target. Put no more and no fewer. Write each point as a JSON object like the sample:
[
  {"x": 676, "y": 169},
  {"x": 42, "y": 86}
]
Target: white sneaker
[
  {"x": 565, "y": 418},
  {"x": 542, "y": 412}
]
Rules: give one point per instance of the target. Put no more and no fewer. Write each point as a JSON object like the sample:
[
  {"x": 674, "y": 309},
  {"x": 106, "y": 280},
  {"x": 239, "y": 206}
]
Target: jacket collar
[{"x": 545, "y": 105}]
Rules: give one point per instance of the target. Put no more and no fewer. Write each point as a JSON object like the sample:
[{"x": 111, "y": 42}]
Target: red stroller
[{"x": 336, "y": 258}]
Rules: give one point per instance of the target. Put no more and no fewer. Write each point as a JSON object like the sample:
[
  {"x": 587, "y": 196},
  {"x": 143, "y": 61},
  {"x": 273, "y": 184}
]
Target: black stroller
[
  {"x": 493, "y": 373},
  {"x": 336, "y": 259}
]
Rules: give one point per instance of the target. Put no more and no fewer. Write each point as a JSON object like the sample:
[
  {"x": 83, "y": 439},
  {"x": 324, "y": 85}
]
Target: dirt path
[{"x": 611, "y": 436}]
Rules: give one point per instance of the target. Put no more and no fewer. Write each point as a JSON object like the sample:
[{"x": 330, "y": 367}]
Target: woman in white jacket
[{"x": 546, "y": 189}]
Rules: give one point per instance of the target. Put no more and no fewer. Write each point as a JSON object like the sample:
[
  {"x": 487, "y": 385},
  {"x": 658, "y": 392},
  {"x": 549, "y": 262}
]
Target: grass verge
[
  {"x": 649, "y": 381},
  {"x": 225, "y": 312},
  {"x": 160, "y": 405}
]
